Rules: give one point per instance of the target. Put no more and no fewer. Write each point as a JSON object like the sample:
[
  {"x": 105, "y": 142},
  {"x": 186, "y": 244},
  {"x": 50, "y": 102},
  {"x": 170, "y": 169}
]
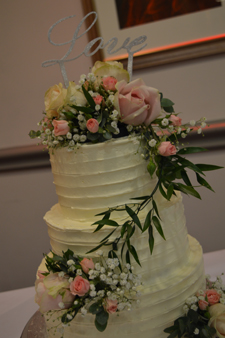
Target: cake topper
[{"x": 109, "y": 45}]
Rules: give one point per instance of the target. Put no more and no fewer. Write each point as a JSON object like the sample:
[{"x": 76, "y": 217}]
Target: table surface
[{"x": 18, "y": 306}]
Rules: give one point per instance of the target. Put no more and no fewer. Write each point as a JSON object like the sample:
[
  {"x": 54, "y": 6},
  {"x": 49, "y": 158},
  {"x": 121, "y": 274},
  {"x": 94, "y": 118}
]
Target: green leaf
[
  {"x": 96, "y": 308},
  {"x": 140, "y": 198},
  {"x": 155, "y": 208},
  {"x": 151, "y": 167},
  {"x": 134, "y": 216},
  {"x": 151, "y": 238},
  {"x": 92, "y": 136},
  {"x": 97, "y": 247},
  {"x": 187, "y": 190},
  {"x": 170, "y": 190},
  {"x": 124, "y": 228},
  {"x": 86, "y": 110},
  {"x": 147, "y": 222},
  {"x": 106, "y": 237},
  {"x": 107, "y": 135},
  {"x": 203, "y": 182},
  {"x": 101, "y": 320},
  {"x": 158, "y": 226},
  {"x": 105, "y": 221},
  {"x": 162, "y": 191},
  {"x": 110, "y": 128},
  {"x": 189, "y": 164},
  {"x": 185, "y": 177},
  {"x": 191, "y": 150},
  {"x": 69, "y": 115},
  {"x": 34, "y": 134},
  {"x": 166, "y": 103},
  {"x": 89, "y": 98},
  {"x": 208, "y": 167},
  {"x": 128, "y": 256},
  {"x": 133, "y": 252}
]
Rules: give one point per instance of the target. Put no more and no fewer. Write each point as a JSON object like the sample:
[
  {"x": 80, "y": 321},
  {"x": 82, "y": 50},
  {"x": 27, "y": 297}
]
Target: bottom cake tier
[
  {"x": 170, "y": 275},
  {"x": 160, "y": 304}
]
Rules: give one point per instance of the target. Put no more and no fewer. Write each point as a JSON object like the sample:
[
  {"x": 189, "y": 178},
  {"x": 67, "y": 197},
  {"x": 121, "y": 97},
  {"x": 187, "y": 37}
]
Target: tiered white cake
[{"x": 94, "y": 178}]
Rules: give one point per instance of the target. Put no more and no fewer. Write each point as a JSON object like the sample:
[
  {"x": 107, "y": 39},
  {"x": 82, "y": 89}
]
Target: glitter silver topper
[{"x": 109, "y": 45}]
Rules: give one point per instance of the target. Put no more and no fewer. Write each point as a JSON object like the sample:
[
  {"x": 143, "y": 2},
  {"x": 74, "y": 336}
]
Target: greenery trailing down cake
[{"x": 122, "y": 263}]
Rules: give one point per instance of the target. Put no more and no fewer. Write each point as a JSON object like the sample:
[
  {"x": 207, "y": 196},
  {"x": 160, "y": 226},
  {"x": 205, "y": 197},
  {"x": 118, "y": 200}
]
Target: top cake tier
[{"x": 98, "y": 176}]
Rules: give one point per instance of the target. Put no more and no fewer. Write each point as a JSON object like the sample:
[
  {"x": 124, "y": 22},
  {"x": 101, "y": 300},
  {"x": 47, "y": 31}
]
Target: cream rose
[
  {"x": 217, "y": 320},
  {"x": 54, "y": 99},
  {"x": 74, "y": 96},
  {"x": 137, "y": 103},
  {"x": 110, "y": 68},
  {"x": 49, "y": 292}
]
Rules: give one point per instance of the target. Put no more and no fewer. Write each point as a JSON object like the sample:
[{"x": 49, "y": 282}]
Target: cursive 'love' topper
[{"x": 109, "y": 45}]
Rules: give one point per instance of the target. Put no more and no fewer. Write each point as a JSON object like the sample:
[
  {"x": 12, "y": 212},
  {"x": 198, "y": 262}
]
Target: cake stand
[{"x": 35, "y": 328}]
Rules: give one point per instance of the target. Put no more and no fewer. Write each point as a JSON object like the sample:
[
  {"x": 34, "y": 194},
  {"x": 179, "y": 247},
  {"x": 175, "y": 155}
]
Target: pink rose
[
  {"x": 109, "y": 83},
  {"x": 49, "y": 290},
  {"x": 203, "y": 304},
  {"x": 176, "y": 121},
  {"x": 137, "y": 103},
  {"x": 60, "y": 127},
  {"x": 110, "y": 305},
  {"x": 79, "y": 286},
  {"x": 92, "y": 125},
  {"x": 98, "y": 99},
  {"x": 87, "y": 264},
  {"x": 213, "y": 296},
  {"x": 166, "y": 149}
]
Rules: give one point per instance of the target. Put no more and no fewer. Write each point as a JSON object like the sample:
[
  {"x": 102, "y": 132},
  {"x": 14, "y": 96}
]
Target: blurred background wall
[{"x": 196, "y": 86}]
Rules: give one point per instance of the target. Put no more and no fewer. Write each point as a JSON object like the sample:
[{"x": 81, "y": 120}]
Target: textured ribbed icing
[{"x": 97, "y": 177}]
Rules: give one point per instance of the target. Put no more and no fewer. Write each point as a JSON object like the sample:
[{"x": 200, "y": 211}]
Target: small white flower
[
  {"x": 97, "y": 107},
  {"x": 83, "y": 311},
  {"x": 115, "y": 276},
  {"x": 183, "y": 135},
  {"x": 199, "y": 131},
  {"x": 76, "y": 137},
  {"x": 79, "y": 272},
  {"x": 201, "y": 292},
  {"x": 47, "y": 131},
  {"x": 60, "y": 138},
  {"x": 44, "y": 143},
  {"x": 69, "y": 316},
  {"x": 165, "y": 122},
  {"x": 123, "y": 275},
  {"x": 75, "y": 130},
  {"x": 101, "y": 293},
  {"x": 103, "y": 277},
  {"x": 203, "y": 124},
  {"x": 128, "y": 266},
  {"x": 102, "y": 270},
  {"x": 99, "y": 252},
  {"x": 109, "y": 274},
  {"x": 128, "y": 286},
  {"x": 171, "y": 127},
  {"x": 69, "y": 135},
  {"x": 70, "y": 279},
  {"x": 114, "y": 124},
  {"x": 222, "y": 300},
  {"x": 80, "y": 118},
  {"x": 61, "y": 305},
  {"x": 93, "y": 293},
  {"x": 109, "y": 293},
  {"x": 196, "y": 331},
  {"x": 91, "y": 92},
  {"x": 152, "y": 142},
  {"x": 185, "y": 308},
  {"x": 109, "y": 281},
  {"x": 188, "y": 130},
  {"x": 55, "y": 142},
  {"x": 129, "y": 127},
  {"x": 179, "y": 130},
  {"x": 83, "y": 138},
  {"x": 70, "y": 262},
  {"x": 71, "y": 143},
  {"x": 192, "y": 123},
  {"x": 194, "y": 307},
  {"x": 97, "y": 266},
  {"x": 117, "y": 131},
  {"x": 61, "y": 274}
]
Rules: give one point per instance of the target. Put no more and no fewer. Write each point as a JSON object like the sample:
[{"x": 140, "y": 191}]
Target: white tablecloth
[{"x": 18, "y": 306}]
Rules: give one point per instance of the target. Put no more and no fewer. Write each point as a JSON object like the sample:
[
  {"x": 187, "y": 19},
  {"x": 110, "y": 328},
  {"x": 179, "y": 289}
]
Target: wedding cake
[{"x": 113, "y": 148}]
